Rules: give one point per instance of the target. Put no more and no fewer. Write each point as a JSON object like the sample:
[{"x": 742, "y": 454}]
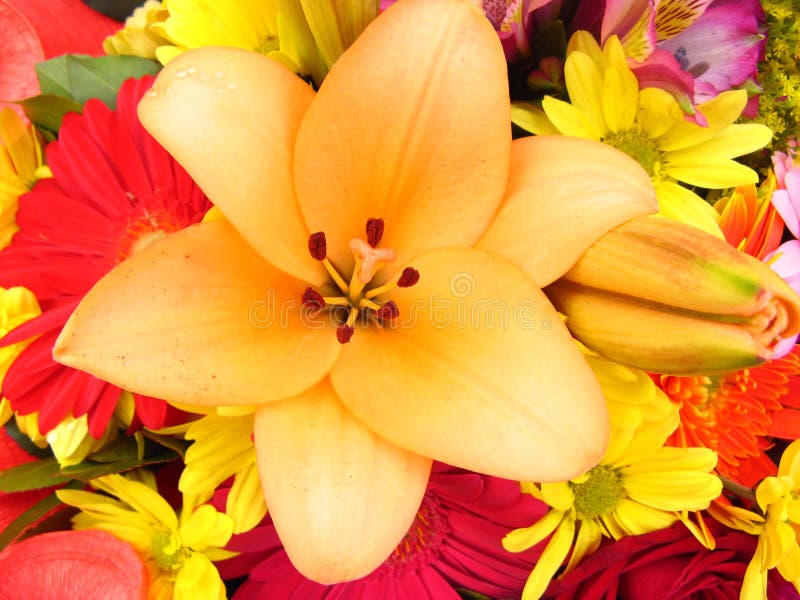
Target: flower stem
[{"x": 745, "y": 493}]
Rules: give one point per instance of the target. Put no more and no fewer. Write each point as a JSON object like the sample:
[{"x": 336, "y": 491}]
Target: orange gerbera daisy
[{"x": 736, "y": 414}]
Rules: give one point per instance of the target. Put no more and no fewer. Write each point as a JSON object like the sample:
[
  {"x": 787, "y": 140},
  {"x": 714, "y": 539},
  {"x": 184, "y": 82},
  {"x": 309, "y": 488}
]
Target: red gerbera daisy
[
  {"x": 114, "y": 190},
  {"x": 737, "y": 414},
  {"x": 455, "y": 541}
]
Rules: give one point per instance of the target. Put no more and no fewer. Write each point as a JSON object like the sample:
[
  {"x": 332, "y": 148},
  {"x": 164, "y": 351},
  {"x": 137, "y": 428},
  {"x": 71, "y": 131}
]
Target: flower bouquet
[{"x": 419, "y": 299}]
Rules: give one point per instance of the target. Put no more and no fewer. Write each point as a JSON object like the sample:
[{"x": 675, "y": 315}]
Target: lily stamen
[{"x": 408, "y": 278}]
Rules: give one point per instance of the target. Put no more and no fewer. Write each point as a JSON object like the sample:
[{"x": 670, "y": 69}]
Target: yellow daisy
[
  {"x": 778, "y": 547},
  {"x": 649, "y": 125},
  {"x": 638, "y": 487},
  {"x": 139, "y": 37},
  {"x": 177, "y": 551},
  {"x": 223, "y": 448},
  {"x": 21, "y": 165}
]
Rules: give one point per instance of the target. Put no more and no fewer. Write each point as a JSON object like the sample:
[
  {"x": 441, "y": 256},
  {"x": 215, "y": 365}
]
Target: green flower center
[
  {"x": 599, "y": 494},
  {"x": 167, "y": 551},
  {"x": 637, "y": 145}
]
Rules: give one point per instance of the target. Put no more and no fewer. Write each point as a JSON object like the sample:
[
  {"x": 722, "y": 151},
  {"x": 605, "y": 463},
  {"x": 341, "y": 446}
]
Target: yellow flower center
[
  {"x": 356, "y": 298},
  {"x": 167, "y": 551},
  {"x": 638, "y": 146},
  {"x": 599, "y": 494}
]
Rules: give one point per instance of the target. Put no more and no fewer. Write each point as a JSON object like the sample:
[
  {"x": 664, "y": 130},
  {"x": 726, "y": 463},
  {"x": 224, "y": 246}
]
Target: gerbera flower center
[
  {"x": 144, "y": 228},
  {"x": 639, "y": 146},
  {"x": 599, "y": 493},
  {"x": 424, "y": 538},
  {"x": 357, "y": 299},
  {"x": 166, "y": 550}
]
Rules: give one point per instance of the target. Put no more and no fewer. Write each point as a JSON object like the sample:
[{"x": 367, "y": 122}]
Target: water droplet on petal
[
  {"x": 181, "y": 74},
  {"x": 151, "y": 93},
  {"x": 191, "y": 70},
  {"x": 231, "y": 86},
  {"x": 219, "y": 75}
]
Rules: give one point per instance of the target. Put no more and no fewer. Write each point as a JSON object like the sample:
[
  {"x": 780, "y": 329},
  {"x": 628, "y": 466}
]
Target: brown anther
[
  {"x": 374, "y": 232},
  {"x": 318, "y": 245},
  {"x": 344, "y": 333},
  {"x": 388, "y": 312},
  {"x": 408, "y": 277},
  {"x": 313, "y": 299}
]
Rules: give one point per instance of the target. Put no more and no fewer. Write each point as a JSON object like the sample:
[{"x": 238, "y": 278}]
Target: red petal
[{"x": 64, "y": 565}]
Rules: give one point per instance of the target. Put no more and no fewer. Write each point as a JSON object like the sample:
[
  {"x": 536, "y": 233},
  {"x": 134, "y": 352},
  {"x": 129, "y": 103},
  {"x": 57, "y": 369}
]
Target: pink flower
[
  {"x": 786, "y": 197},
  {"x": 721, "y": 48},
  {"x": 453, "y": 542},
  {"x": 66, "y": 565}
]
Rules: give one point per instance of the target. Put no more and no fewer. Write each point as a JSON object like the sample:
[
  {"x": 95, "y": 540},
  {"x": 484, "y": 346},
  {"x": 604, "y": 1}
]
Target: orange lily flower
[{"x": 367, "y": 353}]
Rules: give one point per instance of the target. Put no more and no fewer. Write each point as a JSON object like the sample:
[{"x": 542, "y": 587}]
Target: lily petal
[
  {"x": 199, "y": 318},
  {"x": 247, "y": 108},
  {"x": 341, "y": 498},
  {"x": 478, "y": 372},
  {"x": 555, "y": 209},
  {"x": 397, "y": 143}
]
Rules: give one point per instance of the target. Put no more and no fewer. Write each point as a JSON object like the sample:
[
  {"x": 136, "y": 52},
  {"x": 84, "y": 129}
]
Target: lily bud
[{"x": 666, "y": 297}]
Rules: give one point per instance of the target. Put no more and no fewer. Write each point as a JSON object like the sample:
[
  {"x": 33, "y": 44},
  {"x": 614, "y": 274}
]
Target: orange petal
[
  {"x": 230, "y": 118},
  {"x": 389, "y": 137},
  {"x": 340, "y": 496},
  {"x": 563, "y": 194},
  {"x": 64, "y": 565},
  {"x": 478, "y": 372},
  {"x": 199, "y": 318}
]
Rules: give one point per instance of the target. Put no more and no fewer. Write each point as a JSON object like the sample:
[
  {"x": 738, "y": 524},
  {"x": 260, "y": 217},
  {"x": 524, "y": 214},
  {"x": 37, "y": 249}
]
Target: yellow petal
[
  {"x": 340, "y": 496},
  {"x": 681, "y": 204},
  {"x": 720, "y": 112},
  {"x": 585, "y": 85},
  {"x": 550, "y": 560},
  {"x": 620, "y": 98},
  {"x": 531, "y": 118},
  {"x": 731, "y": 142},
  {"x": 520, "y": 540},
  {"x": 206, "y": 527},
  {"x": 712, "y": 173},
  {"x": 198, "y": 579},
  {"x": 563, "y": 194},
  {"x": 200, "y": 318},
  {"x": 336, "y": 25},
  {"x": 568, "y": 119},
  {"x": 478, "y": 372},
  {"x": 236, "y": 142},
  {"x": 386, "y": 137}
]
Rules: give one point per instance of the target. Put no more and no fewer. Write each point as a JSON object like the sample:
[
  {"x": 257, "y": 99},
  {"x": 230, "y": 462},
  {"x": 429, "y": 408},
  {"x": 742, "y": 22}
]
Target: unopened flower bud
[{"x": 669, "y": 298}]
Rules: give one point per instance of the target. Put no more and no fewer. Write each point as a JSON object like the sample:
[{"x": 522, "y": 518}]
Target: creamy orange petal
[
  {"x": 478, "y": 371},
  {"x": 563, "y": 194},
  {"x": 230, "y": 118},
  {"x": 341, "y": 497},
  {"x": 411, "y": 126},
  {"x": 199, "y": 318}
]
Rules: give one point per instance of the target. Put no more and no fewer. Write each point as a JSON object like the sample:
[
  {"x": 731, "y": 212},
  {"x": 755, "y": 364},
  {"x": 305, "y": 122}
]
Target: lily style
[{"x": 373, "y": 289}]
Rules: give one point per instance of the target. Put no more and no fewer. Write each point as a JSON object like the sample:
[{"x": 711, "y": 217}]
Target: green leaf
[
  {"x": 119, "y": 457},
  {"x": 80, "y": 77},
  {"x": 32, "y": 476},
  {"x": 24, "y": 442},
  {"x": 178, "y": 445},
  {"x": 27, "y": 519},
  {"x": 47, "y": 110}
]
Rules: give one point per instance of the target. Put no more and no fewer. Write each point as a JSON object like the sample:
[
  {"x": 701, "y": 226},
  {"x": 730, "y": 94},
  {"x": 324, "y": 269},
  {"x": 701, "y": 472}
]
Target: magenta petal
[
  {"x": 66, "y": 565},
  {"x": 722, "y": 47},
  {"x": 662, "y": 70}
]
